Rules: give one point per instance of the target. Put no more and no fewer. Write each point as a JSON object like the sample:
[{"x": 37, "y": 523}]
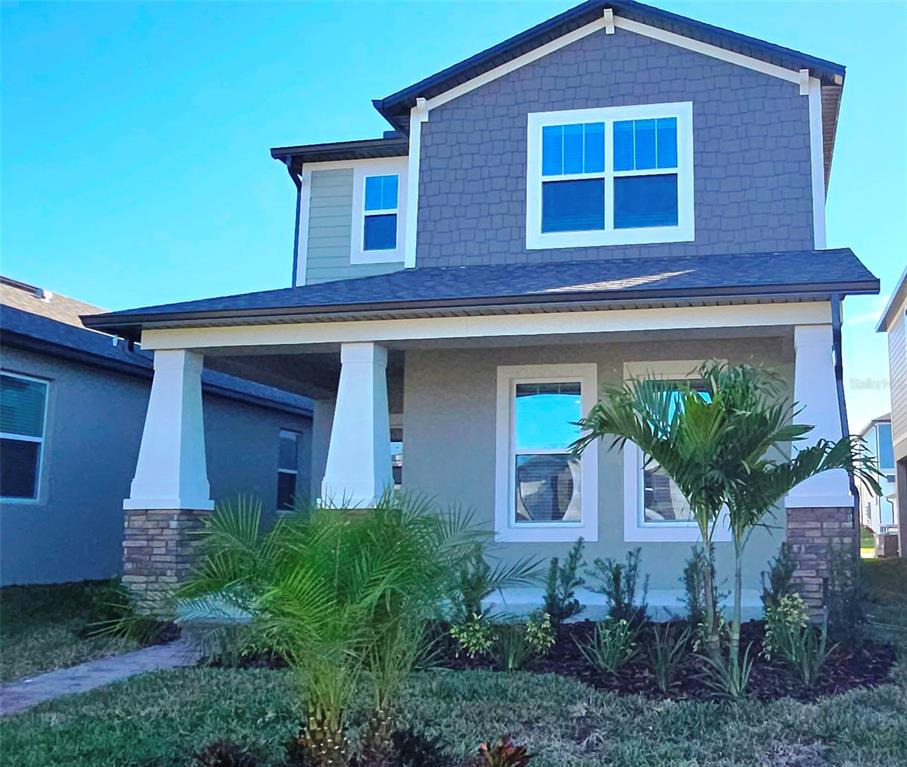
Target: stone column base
[
  {"x": 811, "y": 532},
  {"x": 158, "y": 553}
]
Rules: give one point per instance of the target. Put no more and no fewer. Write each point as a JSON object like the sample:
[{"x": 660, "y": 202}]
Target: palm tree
[
  {"x": 727, "y": 443},
  {"x": 678, "y": 428},
  {"x": 336, "y": 594}
]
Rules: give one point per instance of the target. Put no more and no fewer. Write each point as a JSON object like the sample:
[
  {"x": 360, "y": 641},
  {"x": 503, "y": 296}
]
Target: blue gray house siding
[
  {"x": 95, "y": 417},
  {"x": 751, "y": 152}
]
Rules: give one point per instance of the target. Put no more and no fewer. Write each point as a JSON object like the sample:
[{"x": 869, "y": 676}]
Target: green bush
[
  {"x": 807, "y": 650},
  {"x": 778, "y": 582},
  {"x": 516, "y": 645},
  {"x": 611, "y": 646},
  {"x": 846, "y": 596},
  {"x": 785, "y": 616},
  {"x": 563, "y": 581},
  {"x": 618, "y": 582},
  {"x": 666, "y": 653},
  {"x": 475, "y": 636},
  {"x": 477, "y": 580}
]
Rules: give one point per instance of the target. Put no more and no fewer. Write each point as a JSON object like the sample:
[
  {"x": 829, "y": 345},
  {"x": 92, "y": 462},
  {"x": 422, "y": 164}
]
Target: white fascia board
[
  {"x": 817, "y": 162},
  {"x": 491, "y": 326},
  {"x": 790, "y": 75},
  {"x": 302, "y": 241}
]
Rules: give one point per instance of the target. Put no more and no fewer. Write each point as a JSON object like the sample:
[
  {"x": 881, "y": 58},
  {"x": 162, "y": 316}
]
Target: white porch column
[
  {"x": 358, "y": 466},
  {"x": 171, "y": 472},
  {"x": 816, "y": 393}
]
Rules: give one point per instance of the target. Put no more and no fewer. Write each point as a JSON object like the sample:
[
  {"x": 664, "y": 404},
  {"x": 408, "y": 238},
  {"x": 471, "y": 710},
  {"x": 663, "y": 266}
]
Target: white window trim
[
  {"x": 294, "y": 472},
  {"x": 385, "y": 167},
  {"x": 505, "y": 529},
  {"x": 636, "y": 531},
  {"x": 27, "y": 438},
  {"x": 685, "y": 229}
]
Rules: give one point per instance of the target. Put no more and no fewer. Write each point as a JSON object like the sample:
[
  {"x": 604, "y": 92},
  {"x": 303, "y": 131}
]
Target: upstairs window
[
  {"x": 380, "y": 213},
  {"x": 610, "y": 176},
  {"x": 23, "y": 407}
]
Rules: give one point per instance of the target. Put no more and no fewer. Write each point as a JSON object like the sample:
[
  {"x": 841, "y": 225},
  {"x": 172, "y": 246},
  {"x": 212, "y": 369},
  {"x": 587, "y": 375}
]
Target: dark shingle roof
[
  {"x": 48, "y": 334},
  {"x": 798, "y": 273}
]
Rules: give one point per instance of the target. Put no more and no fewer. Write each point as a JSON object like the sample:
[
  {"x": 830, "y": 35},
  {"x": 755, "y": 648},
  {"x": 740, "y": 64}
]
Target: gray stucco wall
[
  {"x": 94, "y": 428},
  {"x": 330, "y": 222},
  {"x": 751, "y": 152},
  {"x": 449, "y": 441}
]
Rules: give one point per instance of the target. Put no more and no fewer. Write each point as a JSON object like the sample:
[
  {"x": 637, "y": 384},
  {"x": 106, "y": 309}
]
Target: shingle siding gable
[{"x": 751, "y": 152}]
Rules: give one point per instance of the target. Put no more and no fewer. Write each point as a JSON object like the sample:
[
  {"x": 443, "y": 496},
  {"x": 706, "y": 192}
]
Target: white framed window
[
  {"x": 379, "y": 196},
  {"x": 287, "y": 469},
  {"x": 23, "y": 423},
  {"x": 610, "y": 176},
  {"x": 654, "y": 508},
  {"x": 542, "y": 493}
]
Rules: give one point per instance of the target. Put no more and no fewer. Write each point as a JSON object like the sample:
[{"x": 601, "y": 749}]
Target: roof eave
[{"x": 130, "y": 325}]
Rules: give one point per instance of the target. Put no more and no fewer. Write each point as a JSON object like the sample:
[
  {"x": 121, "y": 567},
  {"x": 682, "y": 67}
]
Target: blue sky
[{"x": 135, "y": 165}]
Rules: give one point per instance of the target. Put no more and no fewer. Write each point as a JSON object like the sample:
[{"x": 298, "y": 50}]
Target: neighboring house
[
  {"x": 877, "y": 509},
  {"x": 894, "y": 323},
  {"x": 615, "y": 192},
  {"x": 72, "y": 406}
]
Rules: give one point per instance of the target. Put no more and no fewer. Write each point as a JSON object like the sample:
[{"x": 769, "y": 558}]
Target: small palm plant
[
  {"x": 728, "y": 445},
  {"x": 336, "y": 595}
]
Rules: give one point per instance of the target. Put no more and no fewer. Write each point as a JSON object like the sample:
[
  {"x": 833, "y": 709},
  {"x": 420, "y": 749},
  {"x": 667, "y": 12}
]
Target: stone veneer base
[
  {"x": 811, "y": 532},
  {"x": 158, "y": 549}
]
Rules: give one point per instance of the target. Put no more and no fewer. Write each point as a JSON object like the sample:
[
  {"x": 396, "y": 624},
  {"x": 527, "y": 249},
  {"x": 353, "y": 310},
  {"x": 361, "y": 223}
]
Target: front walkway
[{"x": 25, "y": 693}]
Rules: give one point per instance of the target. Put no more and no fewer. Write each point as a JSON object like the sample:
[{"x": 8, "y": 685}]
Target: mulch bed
[{"x": 845, "y": 669}]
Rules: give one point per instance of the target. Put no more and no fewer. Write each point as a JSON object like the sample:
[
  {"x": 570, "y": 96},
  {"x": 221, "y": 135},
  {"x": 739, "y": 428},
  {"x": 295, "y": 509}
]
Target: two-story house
[
  {"x": 877, "y": 510},
  {"x": 617, "y": 191}
]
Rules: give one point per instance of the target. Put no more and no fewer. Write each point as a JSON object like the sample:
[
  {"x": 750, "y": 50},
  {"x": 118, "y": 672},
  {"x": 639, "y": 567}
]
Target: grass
[
  {"x": 160, "y": 719},
  {"x": 41, "y": 627}
]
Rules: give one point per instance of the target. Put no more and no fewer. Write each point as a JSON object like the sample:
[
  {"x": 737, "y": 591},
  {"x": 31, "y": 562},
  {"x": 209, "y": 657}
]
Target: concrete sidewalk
[{"x": 25, "y": 693}]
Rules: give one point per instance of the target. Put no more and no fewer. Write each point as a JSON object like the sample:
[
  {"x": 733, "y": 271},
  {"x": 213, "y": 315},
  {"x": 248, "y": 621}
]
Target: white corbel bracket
[
  {"x": 804, "y": 82},
  {"x": 421, "y": 109},
  {"x": 608, "y": 15}
]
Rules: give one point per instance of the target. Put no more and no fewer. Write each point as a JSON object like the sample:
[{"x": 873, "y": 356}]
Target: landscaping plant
[
  {"x": 725, "y": 677},
  {"x": 785, "y": 617},
  {"x": 503, "y": 753},
  {"x": 475, "y": 636},
  {"x": 806, "y": 649},
  {"x": 563, "y": 581},
  {"x": 846, "y": 595},
  {"x": 477, "y": 580},
  {"x": 336, "y": 594},
  {"x": 778, "y": 582},
  {"x": 618, "y": 584},
  {"x": 668, "y": 649},
  {"x": 611, "y": 646},
  {"x": 515, "y": 644}
]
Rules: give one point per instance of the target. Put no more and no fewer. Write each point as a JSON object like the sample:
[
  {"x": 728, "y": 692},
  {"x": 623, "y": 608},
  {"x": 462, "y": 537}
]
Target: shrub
[
  {"x": 503, "y": 753},
  {"x": 784, "y": 618},
  {"x": 778, "y": 582},
  {"x": 477, "y": 580},
  {"x": 666, "y": 652},
  {"x": 224, "y": 753},
  {"x": 618, "y": 584},
  {"x": 694, "y": 583},
  {"x": 611, "y": 646},
  {"x": 560, "y": 594},
  {"x": 515, "y": 644},
  {"x": 845, "y": 596},
  {"x": 475, "y": 636}
]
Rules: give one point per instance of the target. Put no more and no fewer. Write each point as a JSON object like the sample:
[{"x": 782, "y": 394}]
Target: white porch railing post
[
  {"x": 358, "y": 466},
  {"x": 816, "y": 393},
  {"x": 171, "y": 472}
]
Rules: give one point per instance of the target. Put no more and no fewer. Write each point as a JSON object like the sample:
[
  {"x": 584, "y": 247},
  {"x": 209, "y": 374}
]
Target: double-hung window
[
  {"x": 543, "y": 492},
  {"x": 610, "y": 176},
  {"x": 654, "y": 507},
  {"x": 379, "y": 211},
  {"x": 23, "y": 409},
  {"x": 287, "y": 469}
]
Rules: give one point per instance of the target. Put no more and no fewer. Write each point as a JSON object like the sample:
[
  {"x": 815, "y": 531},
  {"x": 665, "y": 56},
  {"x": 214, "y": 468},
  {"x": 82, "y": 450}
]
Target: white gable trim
[
  {"x": 418, "y": 115},
  {"x": 603, "y": 24},
  {"x": 302, "y": 236},
  {"x": 817, "y": 161}
]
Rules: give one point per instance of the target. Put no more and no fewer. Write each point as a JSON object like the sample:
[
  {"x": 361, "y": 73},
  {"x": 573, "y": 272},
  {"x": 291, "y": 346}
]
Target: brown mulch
[{"x": 847, "y": 668}]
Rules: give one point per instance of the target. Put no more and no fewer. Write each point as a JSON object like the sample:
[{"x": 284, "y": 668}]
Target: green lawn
[
  {"x": 41, "y": 627},
  {"x": 160, "y": 718}
]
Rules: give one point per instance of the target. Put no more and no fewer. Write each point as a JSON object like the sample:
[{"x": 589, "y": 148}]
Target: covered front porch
[{"x": 478, "y": 404}]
